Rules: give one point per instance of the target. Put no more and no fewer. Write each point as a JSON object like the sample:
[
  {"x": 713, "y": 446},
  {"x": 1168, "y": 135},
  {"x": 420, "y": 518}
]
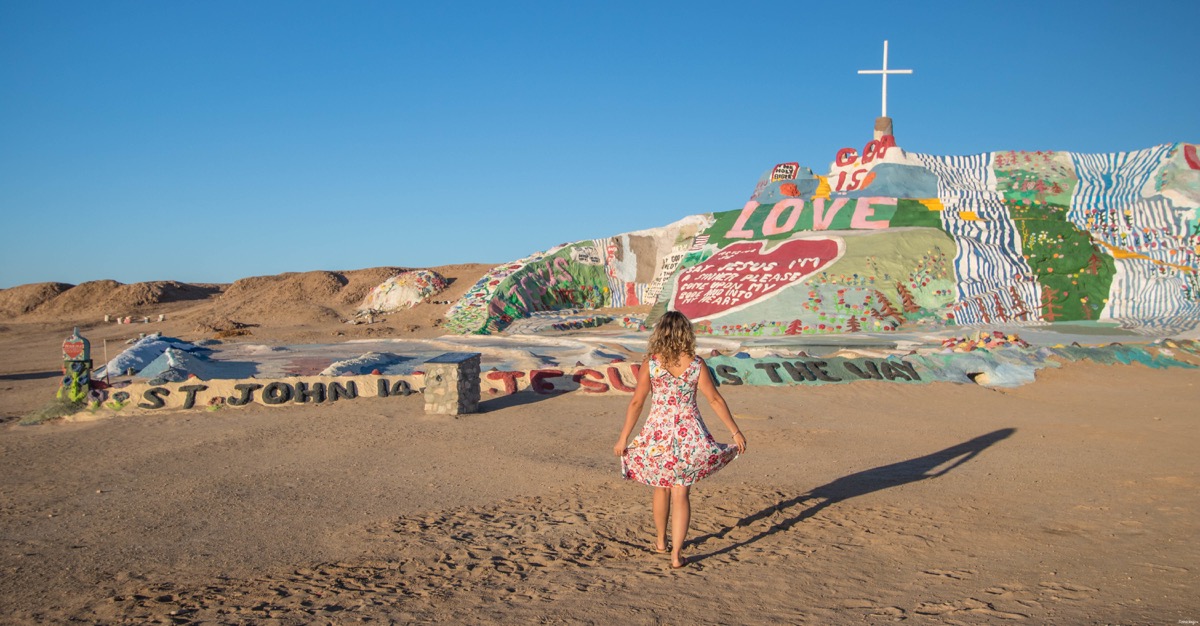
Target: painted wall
[
  {"x": 138, "y": 398},
  {"x": 1006, "y": 367},
  {"x": 624, "y": 270},
  {"x": 889, "y": 238}
]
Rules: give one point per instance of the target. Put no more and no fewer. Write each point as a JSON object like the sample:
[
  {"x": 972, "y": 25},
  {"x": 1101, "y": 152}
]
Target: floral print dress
[{"x": 674, "y": 446}]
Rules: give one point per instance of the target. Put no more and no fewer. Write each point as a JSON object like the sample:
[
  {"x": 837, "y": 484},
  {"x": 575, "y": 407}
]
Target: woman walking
[{"x": 674, "y": 448}]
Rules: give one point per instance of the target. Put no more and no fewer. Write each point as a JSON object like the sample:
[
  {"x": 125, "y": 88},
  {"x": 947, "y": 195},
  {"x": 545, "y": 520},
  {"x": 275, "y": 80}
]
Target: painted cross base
[
  {"x": 883, "y": 127},
  {"x": 452, "y": 383}
]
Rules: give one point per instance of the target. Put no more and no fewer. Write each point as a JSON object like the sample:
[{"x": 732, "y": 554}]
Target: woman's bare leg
[
  {"x": 681, "y": 516},
  {"x": 662, "y": 503}
]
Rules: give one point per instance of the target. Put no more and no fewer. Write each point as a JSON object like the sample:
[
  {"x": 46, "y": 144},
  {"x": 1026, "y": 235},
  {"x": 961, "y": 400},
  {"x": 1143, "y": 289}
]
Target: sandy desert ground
[{"x": 1072, "y": 500}]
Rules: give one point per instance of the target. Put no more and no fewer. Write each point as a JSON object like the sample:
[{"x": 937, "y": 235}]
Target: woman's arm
[
  {"x": 635, "y": 406},
  {"x": 717, "y": 402}
]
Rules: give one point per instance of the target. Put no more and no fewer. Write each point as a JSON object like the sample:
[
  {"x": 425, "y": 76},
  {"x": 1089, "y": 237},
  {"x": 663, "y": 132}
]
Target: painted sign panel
[
  {"x": 744, "y": 273},
  {"x": 785, "y": 171}
]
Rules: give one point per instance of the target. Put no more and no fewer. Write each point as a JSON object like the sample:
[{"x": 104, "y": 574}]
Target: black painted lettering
[
  {"x": 306, "y": 392},
  {"x": 887, "y": 371},
  {"x": 772, "y": 370},
  {"x": 799, "y": 371},
  {"x": 402, "y": 388},
  {"x": 729, "y": 375},
  {"x": 245, "y": 393},
  {"x": 337, "y": 391},
  {"x": 154, "y": 398},
  {"x": 907, "y": 368},
  {"x": 818, "y": 370},
  {"x": 276, "y": 393},
  {"x": 873, "y": 370},
  {"x": 189, "y": 400},
  {"x": 854, "y": 369},
  {"x": 381, "y": 388}
]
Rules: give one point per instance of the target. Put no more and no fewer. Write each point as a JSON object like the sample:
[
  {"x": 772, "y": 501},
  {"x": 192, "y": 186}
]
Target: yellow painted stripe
[
  {"x": 933, "y": 204},
  {"x": 1122, "y": 253}
]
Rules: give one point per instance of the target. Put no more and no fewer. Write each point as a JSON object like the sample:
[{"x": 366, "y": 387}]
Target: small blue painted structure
[{"x": 454, "y": 358}]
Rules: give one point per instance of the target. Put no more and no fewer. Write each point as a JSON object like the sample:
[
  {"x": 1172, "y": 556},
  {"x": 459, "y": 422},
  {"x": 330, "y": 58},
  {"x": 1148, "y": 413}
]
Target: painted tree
[
  {"x": 1001, "y": 312},
  {"x": 906, "y": 298},
  {"x": 853, "y": 325},
  {"x": 795, "y": 328},
  {"x": 886, "y": 306},
  {"x": 1051, "y": 309},
  {"x": 1020, "y": 311}
]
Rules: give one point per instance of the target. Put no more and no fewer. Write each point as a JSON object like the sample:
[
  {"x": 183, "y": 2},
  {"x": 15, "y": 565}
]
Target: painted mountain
[{"x": 890, "y": 239}]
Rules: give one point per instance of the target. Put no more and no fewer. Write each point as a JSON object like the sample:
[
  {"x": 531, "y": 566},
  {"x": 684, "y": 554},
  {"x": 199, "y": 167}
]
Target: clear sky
[{"x": 211, "y": 141}]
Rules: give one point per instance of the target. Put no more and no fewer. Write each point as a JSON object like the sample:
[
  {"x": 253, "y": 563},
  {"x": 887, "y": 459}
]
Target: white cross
[{"x": 885, "y": 71}]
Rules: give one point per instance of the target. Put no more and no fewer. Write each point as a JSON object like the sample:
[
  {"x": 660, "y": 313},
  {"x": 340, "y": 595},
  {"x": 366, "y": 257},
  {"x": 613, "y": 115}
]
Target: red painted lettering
[
  {"x": 585, "y": 379},
  {"x": 537, "y": 380},
  {"x": 614, "y": 377},
  {"x": 509, "y": 378},
  {"x": 869, "y": 151},
  {"x": 845, "y": 156}
]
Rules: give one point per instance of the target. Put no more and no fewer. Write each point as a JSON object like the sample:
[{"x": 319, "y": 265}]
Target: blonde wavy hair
[{"x": 672, "y": 338}]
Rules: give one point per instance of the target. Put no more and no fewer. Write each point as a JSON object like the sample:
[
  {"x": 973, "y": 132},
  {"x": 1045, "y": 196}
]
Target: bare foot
[
  {"x": 678, "y": 561},
  {"x": 661, "y": 547}
]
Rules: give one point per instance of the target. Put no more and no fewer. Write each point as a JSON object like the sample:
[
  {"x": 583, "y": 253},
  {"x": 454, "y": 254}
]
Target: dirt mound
[
  {"x": 317, "y": 302},
  {"x": 222, "y": 327},
  {"x": 137, "y": 295},
  {"x": 299, "y": 298},
  {"x": 98, "y": 298},
  {"x": 25, "y": 298},
  {"x": 318, "y": 286},
  {"x": 82, "y": 300}
]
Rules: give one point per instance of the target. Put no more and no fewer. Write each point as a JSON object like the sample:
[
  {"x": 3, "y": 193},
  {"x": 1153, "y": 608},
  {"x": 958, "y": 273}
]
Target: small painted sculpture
[{"x": 77, "y": 368}]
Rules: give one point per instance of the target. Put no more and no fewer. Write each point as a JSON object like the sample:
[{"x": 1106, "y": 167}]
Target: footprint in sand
[
  {"x": 1067, "y": 591},
  {"x": 959, "y": 574},
  {"x": 528, "y": 547},
  {"x": 966, "y": 606}
]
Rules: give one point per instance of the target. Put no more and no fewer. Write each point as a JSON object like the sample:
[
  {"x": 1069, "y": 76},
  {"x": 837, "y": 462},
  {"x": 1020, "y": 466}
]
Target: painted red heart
[
  {"x": 745, "y": 273},
  {"x": 72, "y": 349}
]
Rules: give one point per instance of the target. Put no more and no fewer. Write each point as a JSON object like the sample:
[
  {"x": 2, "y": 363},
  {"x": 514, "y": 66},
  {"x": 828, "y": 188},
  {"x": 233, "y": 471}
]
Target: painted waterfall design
[{"x": 989, "y": 260}]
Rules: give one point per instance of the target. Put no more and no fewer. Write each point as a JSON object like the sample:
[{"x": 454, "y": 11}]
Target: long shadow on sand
[
  {"x": 857, "y": 484},
  {"x": 32, "y": 375},
  {"x": 497, "y": 403}
]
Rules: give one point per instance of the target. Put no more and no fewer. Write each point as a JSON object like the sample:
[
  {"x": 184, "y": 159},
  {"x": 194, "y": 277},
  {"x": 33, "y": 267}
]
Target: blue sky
[{"x": 211, "y": 141}]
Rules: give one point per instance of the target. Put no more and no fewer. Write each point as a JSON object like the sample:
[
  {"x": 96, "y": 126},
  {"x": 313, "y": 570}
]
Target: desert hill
[{"x": 318, "y": 300}]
